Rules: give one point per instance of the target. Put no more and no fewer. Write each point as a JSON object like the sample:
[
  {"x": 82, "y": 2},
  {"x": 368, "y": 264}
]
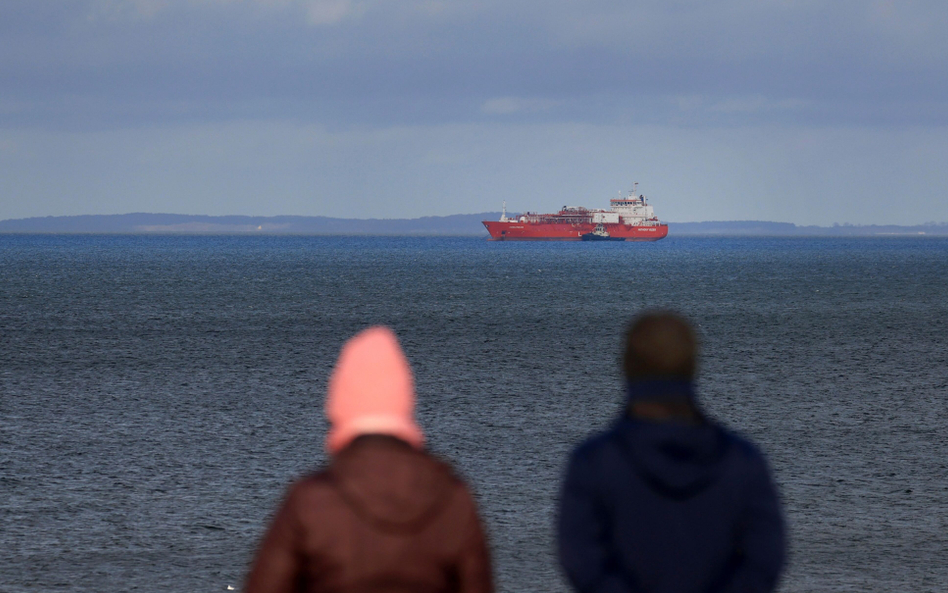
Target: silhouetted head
[{"x": 660, "y": 345}]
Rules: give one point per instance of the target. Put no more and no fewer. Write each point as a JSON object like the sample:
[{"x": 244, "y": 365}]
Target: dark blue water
[{"x": 157, "y": 394}]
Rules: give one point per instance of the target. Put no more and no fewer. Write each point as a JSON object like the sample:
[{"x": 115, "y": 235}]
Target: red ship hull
[{"x": 528, "y": 231}]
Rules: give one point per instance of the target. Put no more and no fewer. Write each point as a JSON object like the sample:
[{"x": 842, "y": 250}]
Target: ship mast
[{"x": 503, "y": 216}]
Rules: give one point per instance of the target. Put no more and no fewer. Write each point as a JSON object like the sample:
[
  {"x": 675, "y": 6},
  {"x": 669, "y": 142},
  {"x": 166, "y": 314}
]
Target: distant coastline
[{"x": 455, "y": 225}]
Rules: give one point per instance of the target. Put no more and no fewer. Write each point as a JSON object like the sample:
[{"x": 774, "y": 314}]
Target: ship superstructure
[{"x": 629, "y": 219}]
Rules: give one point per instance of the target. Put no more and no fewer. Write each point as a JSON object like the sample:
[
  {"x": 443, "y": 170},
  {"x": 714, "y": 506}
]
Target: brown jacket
[{"x": 383, "y": 517}]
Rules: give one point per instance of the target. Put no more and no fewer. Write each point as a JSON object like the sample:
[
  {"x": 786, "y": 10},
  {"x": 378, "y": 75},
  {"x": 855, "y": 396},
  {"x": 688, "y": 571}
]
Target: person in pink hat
[{"x": 384, "y": 515}]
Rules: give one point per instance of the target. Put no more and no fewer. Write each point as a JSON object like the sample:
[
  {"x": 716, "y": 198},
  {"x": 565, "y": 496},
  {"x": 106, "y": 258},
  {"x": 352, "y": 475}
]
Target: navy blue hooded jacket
[{"x": 670, "y": 507}]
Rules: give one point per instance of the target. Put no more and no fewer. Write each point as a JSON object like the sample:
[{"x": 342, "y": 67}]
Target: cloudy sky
[{"x": 805, "y": 111}]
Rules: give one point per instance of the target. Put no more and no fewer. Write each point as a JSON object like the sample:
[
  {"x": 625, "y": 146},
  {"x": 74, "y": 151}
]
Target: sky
[{"x": 803, "y": 111}]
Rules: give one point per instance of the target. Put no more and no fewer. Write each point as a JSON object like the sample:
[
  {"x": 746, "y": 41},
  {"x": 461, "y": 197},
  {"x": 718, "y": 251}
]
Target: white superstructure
[{"x": 633, "y": 209}]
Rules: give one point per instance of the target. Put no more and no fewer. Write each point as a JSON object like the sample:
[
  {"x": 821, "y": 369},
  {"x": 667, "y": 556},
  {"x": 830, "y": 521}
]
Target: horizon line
[{"x": 473, "y": 214}]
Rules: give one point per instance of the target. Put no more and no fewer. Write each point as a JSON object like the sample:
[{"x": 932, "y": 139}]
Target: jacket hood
[
  {"x": 390, "y": 484},
  {"x": 676, "y": 459}
]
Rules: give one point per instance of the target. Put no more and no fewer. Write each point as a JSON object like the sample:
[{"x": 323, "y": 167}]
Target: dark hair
[{"x": 660, "y": 345}]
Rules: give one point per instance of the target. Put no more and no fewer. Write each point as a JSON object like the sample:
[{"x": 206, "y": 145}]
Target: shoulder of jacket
[
  {"x": 744, "y": 449},
  {"x": 444, "y": 467},
  {"x": 456, "y": 489},
  {"x": 310, "y": 484},
  {"x": 457, "y": 486},
  {"x": 596, "y": 443}
]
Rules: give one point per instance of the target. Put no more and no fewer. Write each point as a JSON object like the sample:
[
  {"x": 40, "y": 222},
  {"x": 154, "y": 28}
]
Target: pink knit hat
[{"x": 371, "y": 391}]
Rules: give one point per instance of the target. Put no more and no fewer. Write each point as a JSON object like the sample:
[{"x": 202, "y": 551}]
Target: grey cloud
[{"x": 120, "y": 63}]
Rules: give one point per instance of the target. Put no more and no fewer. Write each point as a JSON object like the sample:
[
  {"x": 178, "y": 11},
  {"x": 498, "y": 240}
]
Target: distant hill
[
  {"x": 788, "y": 229},
  {"x": 458, "y": 224}
]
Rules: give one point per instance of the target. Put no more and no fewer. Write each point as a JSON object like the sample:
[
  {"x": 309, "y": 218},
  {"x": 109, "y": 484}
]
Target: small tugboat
[{"x": 600, "y": 234}]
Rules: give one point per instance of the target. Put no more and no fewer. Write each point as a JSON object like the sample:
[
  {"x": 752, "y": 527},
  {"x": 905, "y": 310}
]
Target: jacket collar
[{"x": 660, "y": 389}]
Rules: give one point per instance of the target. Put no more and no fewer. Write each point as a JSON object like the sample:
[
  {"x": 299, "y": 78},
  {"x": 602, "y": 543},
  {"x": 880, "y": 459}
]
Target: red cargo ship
[{"x": 629, "y": 219}]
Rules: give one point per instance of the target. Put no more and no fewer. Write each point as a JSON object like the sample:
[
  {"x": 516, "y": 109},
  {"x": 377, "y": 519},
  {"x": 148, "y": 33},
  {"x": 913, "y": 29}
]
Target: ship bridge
[{"x": 633, "y": 209}]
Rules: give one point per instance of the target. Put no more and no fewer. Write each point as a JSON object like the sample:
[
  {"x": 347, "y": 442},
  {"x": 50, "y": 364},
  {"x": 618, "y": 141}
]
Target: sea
[{"x": 159, "y": 393}]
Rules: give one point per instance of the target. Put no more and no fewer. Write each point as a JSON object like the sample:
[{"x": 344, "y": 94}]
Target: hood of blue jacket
[{"x": 676, "y": 459}]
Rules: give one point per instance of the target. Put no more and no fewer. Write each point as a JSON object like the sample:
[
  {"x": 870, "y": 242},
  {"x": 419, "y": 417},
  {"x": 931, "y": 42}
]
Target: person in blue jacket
[{"x": 667, "y": 499}]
